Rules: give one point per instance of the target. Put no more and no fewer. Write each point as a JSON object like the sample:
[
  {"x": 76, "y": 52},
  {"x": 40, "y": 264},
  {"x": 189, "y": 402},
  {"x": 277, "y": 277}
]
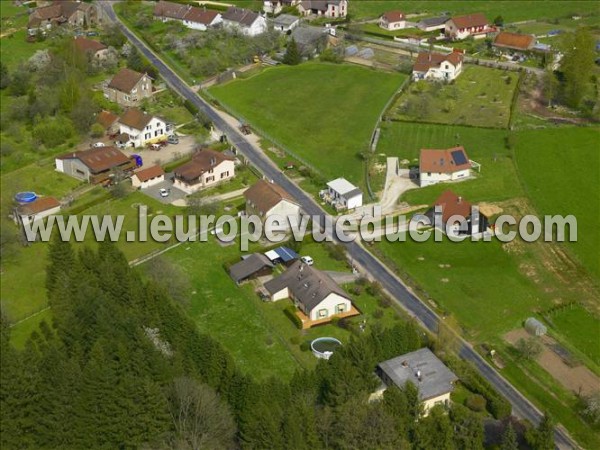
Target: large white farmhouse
[
  {"x": 244, "y": 21},
  {"x": 141, "y": 128},
  {"x": 438, "y": 166},
  {"x": 437, "y": 66}
]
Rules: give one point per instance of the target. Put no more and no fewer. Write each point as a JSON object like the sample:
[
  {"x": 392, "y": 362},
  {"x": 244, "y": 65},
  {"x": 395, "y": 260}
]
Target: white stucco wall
[
  {"x": 136, "y": 183},
  {"x": 284, "y": 209},
  {"x": 330, "y": 303}
]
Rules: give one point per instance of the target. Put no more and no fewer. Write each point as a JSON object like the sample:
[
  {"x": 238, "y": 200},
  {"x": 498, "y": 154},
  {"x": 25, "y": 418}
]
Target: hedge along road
[{"x": 371, "y": 265}]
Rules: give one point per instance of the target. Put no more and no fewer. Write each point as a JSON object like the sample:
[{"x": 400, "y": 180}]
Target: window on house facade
[
  {"x": 224, "y": 174},
  {"x": 323, "y": 312},
  {"x": 340, "y": 308},
  {"x": 147, "y": 135}
]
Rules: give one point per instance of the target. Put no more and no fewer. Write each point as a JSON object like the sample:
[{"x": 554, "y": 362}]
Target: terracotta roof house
[
  {"x": 128, "y": 87},
  {"x": 144, "y": 178},
  {"x": 437, "y": 66},
  {"x": 514, "y": 41},
  {"x": 255, "y": 265},
  {"x": 191, "y": 16},
  {"x": 326, "y": 8},
  {"x": 166, "y": 11},
  {"x": 142, "y": 128},
  {"x": 461, "y": 27},
  {"x": 40, "y": 208},
  {"x": 94, "y": 165},
  {"x": 266, "y": 199},
  {"x": 244, "y": 21},
  {"x": 437, "y": 166},
  {"x": 75, "y": 14},
  {"x": 449, "y": 204},
  {"x": 315, "y": 294},
  {"x": 108, "y": 120},
  {"x": 433, "y": 379},
  {"x": 95, "y": 49},
  {"x": 392, "y": 20},
  {"x": 433, "y": 23},
  {"x": 207, "y": 168}
]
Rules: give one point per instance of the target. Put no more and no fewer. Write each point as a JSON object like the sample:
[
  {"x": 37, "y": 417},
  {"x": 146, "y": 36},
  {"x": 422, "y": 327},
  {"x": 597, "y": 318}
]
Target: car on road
[
  {"x": 173, "y": 139},
  {"x": 163, "y": 192},
  {"x": 98, "y": 144},
  {"x": 307, "y": 260}
]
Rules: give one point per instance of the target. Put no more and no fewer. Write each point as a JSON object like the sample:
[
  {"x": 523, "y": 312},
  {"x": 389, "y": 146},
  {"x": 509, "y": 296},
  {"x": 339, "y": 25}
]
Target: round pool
[
  {"x": 25, "y": 197},
  {"x": 324, "y": 347}
]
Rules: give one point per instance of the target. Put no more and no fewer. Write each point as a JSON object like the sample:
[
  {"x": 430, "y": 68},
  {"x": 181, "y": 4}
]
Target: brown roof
[
  {"x": 393, "y": 16},
  {"x": 200, "y": 15},
  {"x": 514, "y": 40},
  {"x": 470, "y": 20},
  {"x": 48, "y": 12},
  {"x": 40, "y": 205},
  {"x": 201, "y": 162},
  {"x": 170, "y": 10},
  {"x": 149, "y": 173},
  {"x": 106, "y": 118},
  {"x": 307, "y": 285},
  {"x": 265, "y": 195},
  {"x": 125, "y": 80},
  {"x": 135, "y": 118},
  {"x": 453, "y": 204},
  {"x": 99, "y": 159},
  {"x": 444, "y": 161},
  {"x": 427, "y": 60},
  {"x": 88, "y": 45},
  {"x": 240, "y": 15}
]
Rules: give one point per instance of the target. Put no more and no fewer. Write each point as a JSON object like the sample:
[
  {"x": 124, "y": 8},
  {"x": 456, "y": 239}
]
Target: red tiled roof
[
  {"x": 40, "y": 205},
  {"x": 470, "y": 20},
  {"x": 106, "y": 118},
  {"x": 265, "y": 195},
  {"x": 453, "y": 204},
  {"x": 393, "y": 16},
  {"x": 125, "y": 80},
  {"x": 200, "y": 15},
  {"x": 202, "y": 161},
  {"x": 443, "y": 161},
  {"x": 427, "y": 60},
  {"x": 98, "y": 159},
  {"x": 135, "y": 118},
  {"x": 149, "y": 173},
  {"x": 88, "y": 45},
  {"x": 514, "y": 40}
]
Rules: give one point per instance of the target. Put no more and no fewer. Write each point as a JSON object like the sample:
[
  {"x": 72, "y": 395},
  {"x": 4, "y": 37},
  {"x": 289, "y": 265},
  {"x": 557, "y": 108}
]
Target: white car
[
  {"x": 307, "y": 260},
  {"x": 98, "y": 144},
  {"x": 163, "y": 192}
]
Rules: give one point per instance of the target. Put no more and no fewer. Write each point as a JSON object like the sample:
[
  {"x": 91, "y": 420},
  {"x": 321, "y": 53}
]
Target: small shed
[
  {"x": 252, "y": 266},
  {"x": 535, "y": 327},
  {"x": 282, "y": 255}
]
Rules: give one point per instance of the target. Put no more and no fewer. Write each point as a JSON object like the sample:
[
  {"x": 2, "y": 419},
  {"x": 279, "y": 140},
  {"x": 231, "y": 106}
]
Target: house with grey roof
[
  {"x": 316, "y": 295},
  {"x": 285, "y": 23},
  {"x": 325, "y": 8},
  {"x": 252, "y": 266},
  {"x": 244, "y": 21},
  {"x": 433, "y": 23},
  {"x": 434, "y": 380}
]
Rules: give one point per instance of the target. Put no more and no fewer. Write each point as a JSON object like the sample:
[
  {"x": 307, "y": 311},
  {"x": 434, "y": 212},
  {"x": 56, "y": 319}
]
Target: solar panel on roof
[{"x": 459, "y": 157}]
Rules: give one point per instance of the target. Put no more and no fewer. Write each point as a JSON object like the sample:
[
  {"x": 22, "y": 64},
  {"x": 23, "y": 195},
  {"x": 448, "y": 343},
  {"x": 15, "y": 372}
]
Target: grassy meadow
[{"x": 581, "y": 328}]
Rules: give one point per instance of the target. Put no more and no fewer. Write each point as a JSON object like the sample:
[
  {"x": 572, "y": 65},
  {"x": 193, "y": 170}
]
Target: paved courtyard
[{"x": 175, "y": 195}]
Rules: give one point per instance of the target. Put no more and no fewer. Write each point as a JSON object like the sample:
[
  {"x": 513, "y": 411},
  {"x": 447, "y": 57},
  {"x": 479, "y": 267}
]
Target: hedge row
[{"x": 290, "y": 311}]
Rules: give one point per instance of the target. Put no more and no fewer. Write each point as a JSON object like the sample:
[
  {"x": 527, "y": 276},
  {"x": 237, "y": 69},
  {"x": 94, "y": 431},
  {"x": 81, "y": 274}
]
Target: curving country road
[{"x": 375, "y": 268}]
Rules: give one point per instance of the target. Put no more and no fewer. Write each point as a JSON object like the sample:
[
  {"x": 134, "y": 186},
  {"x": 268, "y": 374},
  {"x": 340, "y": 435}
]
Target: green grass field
[
  {"x": 581, "y": 329},
  {"x": 560, "y": 169},
  {"x": 323, "y": 112},
  {"x": 511, "y": 11},
  {"x": 478, "y": 97}
]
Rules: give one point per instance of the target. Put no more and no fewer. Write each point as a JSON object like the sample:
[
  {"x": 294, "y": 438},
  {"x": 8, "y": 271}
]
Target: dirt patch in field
[
  {"x": 577, "y": 379},
  {"x": 489, "y": 209}
]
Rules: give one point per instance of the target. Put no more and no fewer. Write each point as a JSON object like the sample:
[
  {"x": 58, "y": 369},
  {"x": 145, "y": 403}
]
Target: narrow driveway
[{"x": 375, "y": 268}]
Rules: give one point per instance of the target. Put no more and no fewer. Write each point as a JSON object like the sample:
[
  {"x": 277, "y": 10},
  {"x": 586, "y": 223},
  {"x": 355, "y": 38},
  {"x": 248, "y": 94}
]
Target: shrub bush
[
  {"x": 476, "y": 403},
  {"x": 384, "y": 301},
  {"x": 378, "y": 313},
  {"x": 290, "y": 311},
  {"x": 295, "y": 340}
]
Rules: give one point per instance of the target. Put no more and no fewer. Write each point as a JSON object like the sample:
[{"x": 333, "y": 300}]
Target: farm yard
[
  {"x": 309, "y": 110},
  {"x": 479, "y": 97}
]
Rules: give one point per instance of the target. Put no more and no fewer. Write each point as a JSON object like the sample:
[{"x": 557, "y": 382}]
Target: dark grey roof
[
  {"x": 240, "y": 15},
  {"x": 434, "y": 21},
  {"x": 307, "y": 35},
  {"x": 320, "y": 5},
  {"x": 307, "y": 285},
  {"x": 249, "y": 266},
  {"x": 352, "y": 193},
  {"x": 435, "y": 378},
  {"x": 285, "y": 20}
]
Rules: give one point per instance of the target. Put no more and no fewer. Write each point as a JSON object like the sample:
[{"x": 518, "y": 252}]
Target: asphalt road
[{"x": 375, "y": 268}]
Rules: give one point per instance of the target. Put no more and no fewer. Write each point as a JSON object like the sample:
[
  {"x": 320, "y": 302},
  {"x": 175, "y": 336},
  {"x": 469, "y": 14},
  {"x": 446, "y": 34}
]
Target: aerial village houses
[
  {"x": 315, "y": 294},
  {"x": 75, "y": 14},
  {"x": 141, "y": 128},
  {"x": 40, "y": 208},
  {"x": 96, "y": 165},
  {"x": 275, "y": 6},
  {"x": 109, "y": 121},
  {"x": 91, "y": 48},
  {"x": 461, "y": 27},
  {"x": 454, "y": 205},
  {"x": 392, "y": 20},
  {"x": 342, "y": 194},
  {"x": 245, "y": 21},
  {"x": 285, "y": 23},
  {"x": 145, "y": 178},
  {"x": 191, "y": 16},
  {"x": 128, "y": 88},
  {"x": 514, "y": 41},
  {"x": 437, "y": 66},
  {"x": 207, "y": 168},
  {"x": 326, "y": 8},
  {"x": 432, "y": 23},
  {"x": 438, "y": 166},
  {"x": 266, "y": 199},
  {"x": 252, "y": 266},
  {"x": 433, "y": 379}
]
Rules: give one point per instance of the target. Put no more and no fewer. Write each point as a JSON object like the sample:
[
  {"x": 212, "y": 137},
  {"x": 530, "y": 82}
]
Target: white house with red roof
[
  {"x": 461, "y": 27},
  {"x": 392, "y": 20},
  {"x": 39, "y": 209},
  {"x": 438, "y": 166},
  {"x": 437, "y": 66},
  {"x": 144, "y": 178}
]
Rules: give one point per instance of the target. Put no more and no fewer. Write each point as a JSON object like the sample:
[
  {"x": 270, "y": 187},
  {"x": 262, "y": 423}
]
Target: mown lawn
[
  {"x": 560, "y": 169},
  {"x": 480, "y": 96},
  {"x": 581, "y": 328},
  {"x": 14, "y": 49},
  {"x": 511, "y": 11},
  {"x": 497, "y": 180},
  {"x": 325, "y": 113}
]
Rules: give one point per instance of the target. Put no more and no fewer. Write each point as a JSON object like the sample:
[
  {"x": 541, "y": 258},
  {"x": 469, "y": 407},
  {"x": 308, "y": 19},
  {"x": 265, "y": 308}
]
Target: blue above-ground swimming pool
[{"x": 26, "y": 197}]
